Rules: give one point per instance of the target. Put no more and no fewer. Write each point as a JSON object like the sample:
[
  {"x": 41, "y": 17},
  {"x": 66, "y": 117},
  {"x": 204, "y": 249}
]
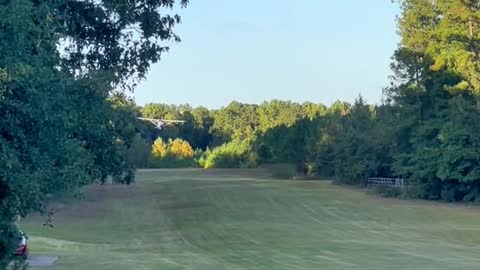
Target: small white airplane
[{"x": 160, "y": 123}]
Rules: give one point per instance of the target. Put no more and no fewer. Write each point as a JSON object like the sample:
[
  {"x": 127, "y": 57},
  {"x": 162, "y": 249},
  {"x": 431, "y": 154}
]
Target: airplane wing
[
  {"x": 172, "y": 121},
  {"x": 161, "y": 121},
  {"x": 144, "y": 119}
]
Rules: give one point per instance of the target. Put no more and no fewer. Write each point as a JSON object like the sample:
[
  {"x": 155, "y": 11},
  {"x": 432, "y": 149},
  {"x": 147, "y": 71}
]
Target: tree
[
  {"x": 59, "y": 63},
  {"x": 159, "y": 149},
  {"x": 195, "y": 130},
  {"x": 139, "y": 152},
  {"x": 354, "y": 149},
  {"x": 276, "y": 113},
  {"x": 181, "y": 149},
  {"x": 448, "y": 32},
  {"x": 436, "y": 99},
  {"x": 234, "y": 122},
  {"x": 201, "y": 136},
  {"x": 121, "y": 37},
  {"x": 313, "y": 110},
  {"x": 172, "y": 154}
]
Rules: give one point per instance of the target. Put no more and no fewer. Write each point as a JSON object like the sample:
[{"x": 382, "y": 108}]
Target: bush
[
  {"x": 138, "y": 153},
  {"x": 200, "y": 157},
  {"x": 230, "y": 155},
  {"x": 173, "y": 154},
  {"x": 388, "y": 191},
  {"x": 159, "y": 149},
  {"x": 180, "y": 148},
  {"x": 281, "y": 170},
  {"x": 428, "y": 189}
]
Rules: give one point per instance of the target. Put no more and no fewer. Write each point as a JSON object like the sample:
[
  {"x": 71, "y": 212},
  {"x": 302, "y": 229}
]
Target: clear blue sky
[{"x": 256, "y": 50}]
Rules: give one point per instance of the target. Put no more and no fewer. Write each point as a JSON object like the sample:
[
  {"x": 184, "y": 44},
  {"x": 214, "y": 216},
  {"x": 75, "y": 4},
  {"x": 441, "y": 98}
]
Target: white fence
[{"x": 392, "y": 182}]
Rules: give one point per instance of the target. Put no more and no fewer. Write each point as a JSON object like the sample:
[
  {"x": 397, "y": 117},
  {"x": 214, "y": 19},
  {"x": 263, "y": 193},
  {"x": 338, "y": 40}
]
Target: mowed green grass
[{"x": 189, "y": 219}]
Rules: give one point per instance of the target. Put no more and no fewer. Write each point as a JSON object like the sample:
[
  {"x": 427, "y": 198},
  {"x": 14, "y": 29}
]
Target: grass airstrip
[{"x": 235, "y": 219}]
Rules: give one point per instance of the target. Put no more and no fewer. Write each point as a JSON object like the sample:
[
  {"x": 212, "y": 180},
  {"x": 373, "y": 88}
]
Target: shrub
[
  {"x": 173, "y": 154},
  {"x": 159, "y": 149},
  {"x": 138, "y": 153},
  {"x": 230, "y": 155},
  {"x": 281, "y": 170},
  {"x": 180, "y": 148},
  {"x": 200, "y": 157},
  {"x": 388, "y": 191}
]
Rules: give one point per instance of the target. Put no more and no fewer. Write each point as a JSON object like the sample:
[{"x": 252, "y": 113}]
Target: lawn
[{"x": 190, "y": 219}]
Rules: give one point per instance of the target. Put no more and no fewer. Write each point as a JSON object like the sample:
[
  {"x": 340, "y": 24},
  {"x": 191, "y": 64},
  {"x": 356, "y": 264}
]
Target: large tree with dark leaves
[
  {"x": 121, "y": 36},
  {"x": 60, "y": 128},
  {"x": 436, "y": 98}
]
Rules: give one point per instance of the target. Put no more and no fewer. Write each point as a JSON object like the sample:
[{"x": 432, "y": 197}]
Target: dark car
[{"x": 22, "y": 249}]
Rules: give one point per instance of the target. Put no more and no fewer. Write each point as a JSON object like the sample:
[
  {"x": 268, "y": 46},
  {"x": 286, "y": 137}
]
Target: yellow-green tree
[
  {"x": 180, "y": 149},
  {"x": 159, "y": 149},
  {"x": 172, "y": 154}
]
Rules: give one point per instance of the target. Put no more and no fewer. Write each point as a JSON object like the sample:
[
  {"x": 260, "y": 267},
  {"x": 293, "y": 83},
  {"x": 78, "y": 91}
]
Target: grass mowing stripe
[{"x": 187, "y": 219}]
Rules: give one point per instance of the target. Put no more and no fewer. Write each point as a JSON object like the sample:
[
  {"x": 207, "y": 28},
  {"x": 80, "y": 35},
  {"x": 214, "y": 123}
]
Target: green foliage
[
  {"x": 354, "y": 150},
  {"x": 436, "y": 100},
  {"x": 280, "y": 113},
  {"x": 388, "y": 192},
  {"x": 62, "y": 126},
  {"x": 446, "y": 31},
  {"x": 200, "y": 157},
  {"x": 122, "y": 37},
  {"x": 195, "y": 130},
  {"x": 237, "y": 121},
  {"x": 230, "y": 155},
  {"x": 138, "y": 153}
]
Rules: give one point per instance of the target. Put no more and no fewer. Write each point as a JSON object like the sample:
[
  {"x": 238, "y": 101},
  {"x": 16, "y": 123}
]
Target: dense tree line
[
  {"x": 423, "y": 131},
  {"x": 206, "y": 128},
  {"x": 62, "y": 125}
]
